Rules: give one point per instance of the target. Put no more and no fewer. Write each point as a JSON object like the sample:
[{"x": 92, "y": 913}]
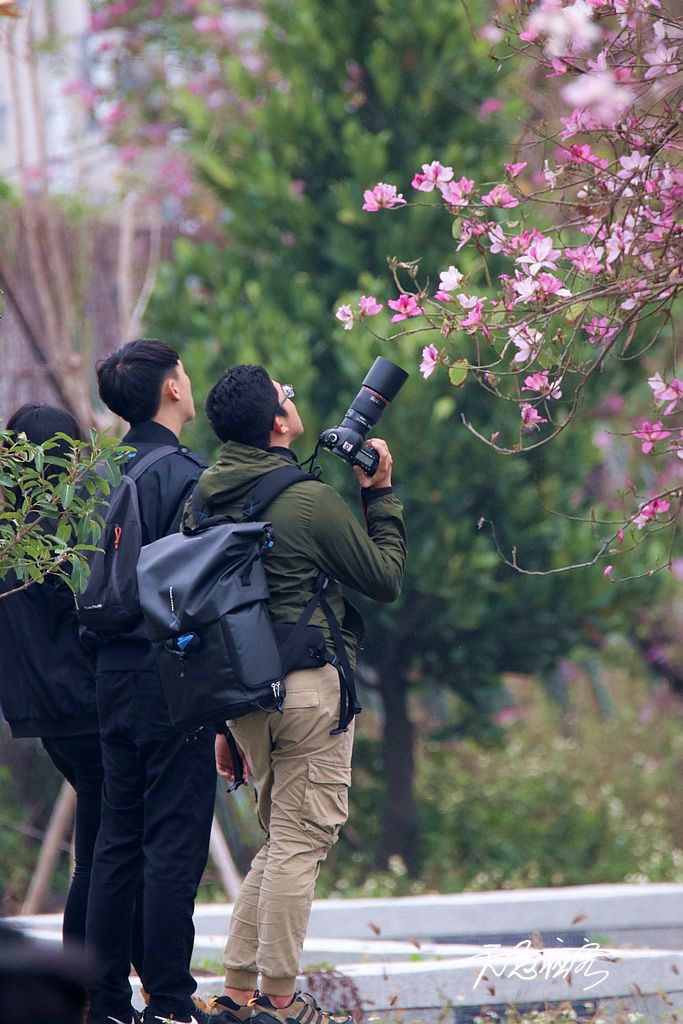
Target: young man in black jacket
[{"x": 159, "y": 784}]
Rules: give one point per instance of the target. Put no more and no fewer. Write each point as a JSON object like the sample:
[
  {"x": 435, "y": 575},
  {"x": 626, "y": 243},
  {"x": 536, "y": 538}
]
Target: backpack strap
[
  {"x": 141, "y": 463},
  {"x": 348, "y": 705},
  {"x": 269, "y": 487}
]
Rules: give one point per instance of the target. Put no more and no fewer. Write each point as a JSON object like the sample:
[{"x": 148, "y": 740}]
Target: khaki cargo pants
[{"x": 301, "y": 777}]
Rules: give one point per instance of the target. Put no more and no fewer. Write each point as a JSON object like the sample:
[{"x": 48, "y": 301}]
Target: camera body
[{"x": 381, "y": 385}]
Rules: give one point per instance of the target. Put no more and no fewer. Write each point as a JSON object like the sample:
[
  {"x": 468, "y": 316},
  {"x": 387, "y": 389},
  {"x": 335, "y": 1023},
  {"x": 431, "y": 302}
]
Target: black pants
[
  {"x": 157, "y": 808},
  {"x": 79, "y": 760}
]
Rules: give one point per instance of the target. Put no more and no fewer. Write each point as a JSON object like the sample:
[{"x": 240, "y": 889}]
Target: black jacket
[
  {"x": 47, "y": 683},
  {"x": 162, "y": 492}
]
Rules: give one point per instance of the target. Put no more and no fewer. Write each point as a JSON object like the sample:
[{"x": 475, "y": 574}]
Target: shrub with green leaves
[{"x": 51, "y": 498}]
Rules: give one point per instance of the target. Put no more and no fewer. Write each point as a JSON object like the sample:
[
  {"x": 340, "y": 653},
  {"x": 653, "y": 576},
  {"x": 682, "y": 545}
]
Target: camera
[{"x": 382, "y": 383}]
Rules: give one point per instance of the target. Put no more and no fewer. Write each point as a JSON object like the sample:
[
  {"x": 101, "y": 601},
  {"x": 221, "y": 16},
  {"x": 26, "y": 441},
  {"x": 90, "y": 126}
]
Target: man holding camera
[{"x": 300, "y": 760}]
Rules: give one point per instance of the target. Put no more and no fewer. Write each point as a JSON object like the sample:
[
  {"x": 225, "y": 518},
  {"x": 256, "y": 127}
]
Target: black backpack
[
  {"x": 109, "y": 604},
  {"x": 204, "y": 596}
]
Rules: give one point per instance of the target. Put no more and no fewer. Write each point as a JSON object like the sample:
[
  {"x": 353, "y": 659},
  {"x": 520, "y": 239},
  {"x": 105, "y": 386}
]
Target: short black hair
[
  {"x": 242, "y": 405},
  {"x": 130, "y": 379},
  {"x": 41, "y": 422}
]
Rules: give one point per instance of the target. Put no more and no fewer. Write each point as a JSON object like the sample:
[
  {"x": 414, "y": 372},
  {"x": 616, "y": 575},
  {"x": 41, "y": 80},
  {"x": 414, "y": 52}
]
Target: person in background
[{"x": 47, "y": 681}]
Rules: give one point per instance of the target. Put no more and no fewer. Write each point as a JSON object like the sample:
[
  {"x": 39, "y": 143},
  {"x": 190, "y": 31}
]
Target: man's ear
[{"x": 171, "y": 389}]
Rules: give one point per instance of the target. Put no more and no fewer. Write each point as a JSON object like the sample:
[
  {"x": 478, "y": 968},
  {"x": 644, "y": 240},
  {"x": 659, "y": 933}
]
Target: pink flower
[
  {"x": 345, "y": 315},
  {"x": 82, "y": 89},
  {"x": 433, "y": 175},
  {"x": 583, "y": 155},
  {"x": 649, "y": 433},
  {"x": 382, "y": 195},
  {"x": 599, "y": 330},
  {"x": 450, "y": 279},
  {"x": 430, "y": 361},
  {"x": 620, "y": 241},
  {"x": 567, "y": 28},
  {"x": 578, "y": 121},
  {"x": 469, "y": 229},
  {"x": 631, "y": 166},
  {"x": 539, "y": 382},
  {"x": 515, "y": 169},
  {"x": 539, "y": 254},
  {"x": 530, "y": 417},
  {"x": 473, "y": 319},
  {"x": 663, "y": 392},
  {"x": 539, "y": 289},
  {"x": 650, "y": 511},
  {"x": 455, "y": 193},
  {"x": 609, "y": 569},
  {"x": 442, "y": 296},
  {"x": 586, "y": 258},
  {"x": 500, "y": 195},
  {"x": 491, "y": 33},
  {"x": 369, "y": 306},
  {"x": 527, "y": 340},
  {"x": 405, "y": 306},
  {"x": 600, "y": 94},
  {"x": 488, "y": 107},
  {"x": 662, "y": 61}
]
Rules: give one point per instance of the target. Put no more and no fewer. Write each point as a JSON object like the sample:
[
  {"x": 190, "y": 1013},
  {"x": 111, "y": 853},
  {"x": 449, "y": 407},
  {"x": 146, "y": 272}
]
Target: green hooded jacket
[{"x": 314, "y": 530}]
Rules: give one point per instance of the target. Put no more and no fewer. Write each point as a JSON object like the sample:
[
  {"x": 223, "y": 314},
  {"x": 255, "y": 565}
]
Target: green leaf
[
  {"x": 79, "y": 576},
  {"x": 35, "y": 573},
  {"x": 443, "y": 408},
  {"x": 66, "y": 494},
  {"x": 458, "y": 373},
  {"x": 216, "y": 170}
]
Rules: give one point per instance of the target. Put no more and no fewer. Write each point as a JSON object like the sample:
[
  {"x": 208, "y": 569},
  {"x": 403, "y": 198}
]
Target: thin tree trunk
[
  {"x": 60, "y": 822},
  {"x": 399, "y": 827}
]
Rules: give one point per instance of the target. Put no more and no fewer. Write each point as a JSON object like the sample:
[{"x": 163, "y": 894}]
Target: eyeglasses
[{"x": 288, "y": 392}]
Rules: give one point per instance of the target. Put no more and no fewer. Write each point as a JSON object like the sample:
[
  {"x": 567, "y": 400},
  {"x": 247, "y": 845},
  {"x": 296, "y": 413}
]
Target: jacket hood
[{"x": 238, "y": 469}]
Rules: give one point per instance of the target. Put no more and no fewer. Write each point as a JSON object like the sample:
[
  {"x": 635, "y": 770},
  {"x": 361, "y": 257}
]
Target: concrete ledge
[
  {"x": 630, "y": 910},
  {"x": 350, "y": 951},
  {"x": 649, "y": 981},
  {"x": 519, "y": 976}
]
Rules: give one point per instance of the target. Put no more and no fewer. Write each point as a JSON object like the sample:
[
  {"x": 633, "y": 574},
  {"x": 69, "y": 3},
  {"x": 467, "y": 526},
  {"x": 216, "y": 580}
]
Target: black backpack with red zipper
[{"x": 110, "y": 603}]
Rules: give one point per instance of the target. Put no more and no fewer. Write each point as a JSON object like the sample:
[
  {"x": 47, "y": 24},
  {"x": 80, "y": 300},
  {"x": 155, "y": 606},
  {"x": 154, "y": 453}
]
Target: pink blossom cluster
[
  {"x": 367, "y": 306},
  {"x": 582, "y": 247}
]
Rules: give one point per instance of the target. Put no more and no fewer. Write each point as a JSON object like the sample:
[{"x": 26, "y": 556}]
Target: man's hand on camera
[{"x": 382, "y": 477}]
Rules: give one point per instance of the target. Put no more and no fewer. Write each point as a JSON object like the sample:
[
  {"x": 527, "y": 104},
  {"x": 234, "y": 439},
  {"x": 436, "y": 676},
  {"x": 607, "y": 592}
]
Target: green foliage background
[{"x": 352, "y": 94}]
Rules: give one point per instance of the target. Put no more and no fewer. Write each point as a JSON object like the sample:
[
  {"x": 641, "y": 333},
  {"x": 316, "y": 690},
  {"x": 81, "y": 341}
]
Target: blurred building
[{"x": 42, "y": 110}]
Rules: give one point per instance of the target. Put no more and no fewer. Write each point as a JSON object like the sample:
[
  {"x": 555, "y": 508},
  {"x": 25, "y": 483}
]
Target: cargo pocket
[{"x": 326, "y": 802}]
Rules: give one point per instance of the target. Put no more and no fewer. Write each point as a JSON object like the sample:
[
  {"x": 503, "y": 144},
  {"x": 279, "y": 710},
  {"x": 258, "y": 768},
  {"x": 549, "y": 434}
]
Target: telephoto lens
[{"x": 382, "y": 383}]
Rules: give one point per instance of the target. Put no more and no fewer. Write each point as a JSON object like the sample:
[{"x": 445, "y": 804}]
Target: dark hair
[
  {"x": 130, "y": 379},
  {"x": 41, "y": 422},
  {"x": 242, "y": 405}
]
